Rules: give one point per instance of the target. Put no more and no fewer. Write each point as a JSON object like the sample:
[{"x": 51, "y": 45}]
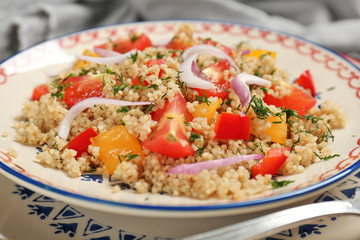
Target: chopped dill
[
  {"x": 278, "y": 184},
  {"x": 261, "y": 111},
  {"x": 194, "y": 136},
  {"x": 327, "y": 157}
]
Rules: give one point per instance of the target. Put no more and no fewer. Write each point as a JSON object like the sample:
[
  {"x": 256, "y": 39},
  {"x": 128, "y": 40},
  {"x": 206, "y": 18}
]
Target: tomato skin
[
  {"x": 169, "y": 138},
  {"x": 232, "y": 126},
  {"x": 152, "y": 62},
  {"x": 81, "y": 142},
  {"x": 82, "y": 87},
  {"x": 177, "y": 106},
  {"x": 215, "y": 73},
  {"x": 38, "y": 91},
  {"x": 169, "y": 135},
  {"x": 307, "y": 82},
  {"x": 272, "y": 162},
  {"x": 297, "y": 100},
  {"x": 123, "y": 45}
]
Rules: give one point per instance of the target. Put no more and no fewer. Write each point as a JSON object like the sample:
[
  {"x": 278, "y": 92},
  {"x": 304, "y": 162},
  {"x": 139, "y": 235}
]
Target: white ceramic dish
[{"x": 20, "y": 73}]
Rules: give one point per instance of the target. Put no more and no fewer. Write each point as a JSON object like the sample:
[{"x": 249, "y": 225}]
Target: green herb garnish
[{"x": 278, "y": 184}]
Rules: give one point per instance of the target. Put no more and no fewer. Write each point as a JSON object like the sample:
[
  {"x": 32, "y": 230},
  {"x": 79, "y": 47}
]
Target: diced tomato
[
  {"x": 218, "y": 45},
  {"x": 81, "y": 142},
  {"x": 117, "y": 145},
  {"x": 38, "y": 91},
  {"x": 177, "y": 106},
  {"x": 169, "y": 135},
  {"x": 232, "y": 126},
  {"x": 215, "y": 73},
  {"x": 152, "y": 62},
  {"x": 206, "y": 110},
  {"x": 123, "y": 45},
  {"x": 82, "y": 87},
  {"x": 136, "y": 81},
  {"x": 272, "y": 162},
  {"x": 307, "y": 82},
  {"x": 297, "y": 100}
]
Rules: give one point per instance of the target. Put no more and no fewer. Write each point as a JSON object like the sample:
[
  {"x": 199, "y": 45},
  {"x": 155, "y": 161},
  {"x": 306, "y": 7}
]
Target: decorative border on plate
[{"x": 251, "y": 32}]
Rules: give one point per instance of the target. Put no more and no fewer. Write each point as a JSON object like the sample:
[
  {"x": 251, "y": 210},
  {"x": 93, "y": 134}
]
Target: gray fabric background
[{"x": 333, "y": 23}]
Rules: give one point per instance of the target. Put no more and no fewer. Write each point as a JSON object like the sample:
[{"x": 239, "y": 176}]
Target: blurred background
[{"x": 333, "y": 23}]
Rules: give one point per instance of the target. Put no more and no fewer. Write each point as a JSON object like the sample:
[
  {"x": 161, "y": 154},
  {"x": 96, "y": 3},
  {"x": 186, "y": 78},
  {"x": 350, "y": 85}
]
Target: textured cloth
[{"x": 333, "y": 23}]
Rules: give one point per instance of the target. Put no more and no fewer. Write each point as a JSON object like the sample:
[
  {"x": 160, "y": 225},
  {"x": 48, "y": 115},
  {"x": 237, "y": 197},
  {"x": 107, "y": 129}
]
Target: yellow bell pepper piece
[
  {"x": 79, "y": 64},
  {"x": 277, "y": 130},
  {"x": 206, "y": 110},
  {"x": 117, "y": 145},
  {"x": 259, "y": 53}
]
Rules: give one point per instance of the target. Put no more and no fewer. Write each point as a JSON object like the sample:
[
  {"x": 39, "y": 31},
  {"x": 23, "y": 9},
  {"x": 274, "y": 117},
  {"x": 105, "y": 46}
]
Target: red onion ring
[
  {"x": 240, "y": 86},
  {"x": 193, "y": 79},
  {"x": 191, "y": 74},
  {"x": 194, "y": 168},
  {"x": 107, "y": 60},
  {"x": 205, "y": 48},
  {"x": 64, "y": 127}
]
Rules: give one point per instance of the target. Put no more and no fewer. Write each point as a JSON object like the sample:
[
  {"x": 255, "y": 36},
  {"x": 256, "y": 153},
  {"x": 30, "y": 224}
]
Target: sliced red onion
[
  {"x": 106, "y": 53},
  {"x": 240, "y": 86},
  {"x": 196, "y": 70},
  {"x": 253, "y": 80},
  {"x": 107, "y": 60},
  {"x": 190, "y": 73},
  {"x": 205, "y": 48},
  {"x": 64, "y": 127},
  {"x": 242, "y": 90},
  {"x": 245, "y": 52},
  {"x": 194, "y": 168},
  {"x": 188, "y": 76}
]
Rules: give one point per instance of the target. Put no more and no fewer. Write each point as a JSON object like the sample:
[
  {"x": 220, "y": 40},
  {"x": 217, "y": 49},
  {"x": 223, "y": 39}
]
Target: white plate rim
[{"x": 179, "y": 211}]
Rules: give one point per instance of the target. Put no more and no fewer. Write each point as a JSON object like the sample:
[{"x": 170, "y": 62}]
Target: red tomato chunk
[
  {"x": 169, "y": 135},
  {"x": 82, "y": 87},
  {"x": 272, "y": 162},
  {"x": 232, "y": 126},
  {"x": 81, "y": 142},
  {"x": 39, "y": 91}
]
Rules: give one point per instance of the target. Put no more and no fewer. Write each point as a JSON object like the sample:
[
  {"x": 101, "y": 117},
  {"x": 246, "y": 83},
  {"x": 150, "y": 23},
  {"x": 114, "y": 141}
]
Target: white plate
[
  {"x": 20, "y": 73},
  {"x": 41, "y": 217}
]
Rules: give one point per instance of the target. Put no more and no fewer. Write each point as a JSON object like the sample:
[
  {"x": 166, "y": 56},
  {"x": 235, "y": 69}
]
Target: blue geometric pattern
[
  {"x": 95, "y": 227},
  {"x": 308, "y": 229},
  {"x": 23, "y": 192},
  {"x": 92, "y": 178},
  {"x": 43, "y": 198},
  {"x": 68, "y": 222},
  {"x": 68, "y": 213},
  {"x": 41, "y": 211},
  {"x": 69, "y": 228}
]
